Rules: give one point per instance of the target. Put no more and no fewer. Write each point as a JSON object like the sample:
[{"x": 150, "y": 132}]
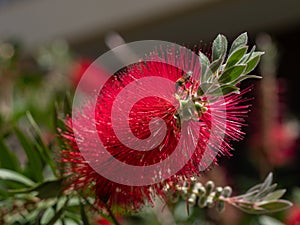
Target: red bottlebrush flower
[
  {"x": 293, "y": 217},
  {"x": 217, "y": 121},
  {"x": 104, "y": 222},
  {"x": 78, "y": 71},
  {"x": 278, "y": 137}
]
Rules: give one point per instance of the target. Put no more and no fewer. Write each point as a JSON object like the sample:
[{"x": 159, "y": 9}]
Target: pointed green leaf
[
  {"x": 266, "y": 220},
  {"x": 39, "y": 143},
  {"x": 236, "y": 56},
  {"x": 274, "y": 195},
  {"x": 203, "y": 88},
  {"x": 49, "y": 189},
  {"x": 247, "y": 56},
  {"x": 244, "y": 77},
  {"x": 48, "y": 215},
  {"x": 8, "y": 159},
  {"x": 205, "y": 71},
  {"x": 73, "y": 220},
  {"x": 84, "y": 217},
  {"x": 3, "y": 193},
  {"x": 232, "y": 73},
  {"x": 264, "y": 192},
  {"x": 228, "y": 89},
  {"x": 254, "y": 188},
  {"x": 240, "y": 41},
  {"x": 45, "y": 190},
  {"x": 56, "y": 216},
  {"x": 267, "y": 182},
  {"x": 275, "y": 206},
  {"x": 248, "y": 195},
  {"x": 34, "y": 161},
  {"x": 68, "y": 104},
  {"x": 6, "y": 174},
  {"x": 224, "y": 90},
  {"x": 249, "y": 208},
  {"x": 215, "y": 65},
  {"x": 252, "y": 63},
  {"x": 219, "y": 47}
]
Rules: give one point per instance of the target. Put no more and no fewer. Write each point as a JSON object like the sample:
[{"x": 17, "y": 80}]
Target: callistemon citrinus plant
[{"x": 207, "y": 107}]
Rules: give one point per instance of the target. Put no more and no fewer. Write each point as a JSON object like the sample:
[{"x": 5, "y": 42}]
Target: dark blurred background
[{"x": 85, "y": 23}]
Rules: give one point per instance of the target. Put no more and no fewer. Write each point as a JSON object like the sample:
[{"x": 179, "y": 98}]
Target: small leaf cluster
[
  {"x": 222, "y": 74},
  {"x": 260, "y": 199}
]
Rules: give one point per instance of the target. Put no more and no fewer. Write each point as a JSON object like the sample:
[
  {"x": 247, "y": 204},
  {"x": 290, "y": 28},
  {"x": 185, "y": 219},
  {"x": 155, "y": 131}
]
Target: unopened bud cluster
[{"x": 199, "y": 195}]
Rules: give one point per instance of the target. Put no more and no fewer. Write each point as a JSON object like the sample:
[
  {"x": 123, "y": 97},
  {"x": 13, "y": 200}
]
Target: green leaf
[
  {"x": 203, "y": 88},
  {"x": 274, "y": 195},
  {"x": 84, "y": 217},
  {"x": 249, "y": 208},
  {"x": 39, "y": 143},
  {"x": 254, "y": 188},
  {"x": 56, "y": 217},
  {"x": 249, "y": 195},
  {"x": 49, "y": 189},
  {"x": 224, "y": 90},
  {"x": 219, "y": 47},
  {"x": 70, "y": 221},
  {"x": 228, "y": 89},
  {"x": 266, "y": 220},
  {"x": 252, "y": 63},
  {"x": 8, "y": 159},
  {"x": 61, "y": 201},
  {"x": 68, "y": 104},
  {"x": 34, "y": 164},
  {"x": 58, "y": 122},
  {"x": 247, "y": 56},
  {"x": 6, "y": 174},
  {"x": 232, "y": 73},
  {"x": 263, "y": 207},
  {"x": 236, "y": 56},
  {"x": 3, "y": 193},
  {"x": 264, "y": 192},
  {"x": 45, "y": 190},
  {"x": 275, "y": 206},
  {"x": 240, "y": 41},
  {"x": 268, "y": 181},
  {"x": 244, "y": 77},
  {"x": 48, "y": 215},
  {"x": 215, "y": 65},
  {"x": 205, "y": 71},
  {"x": 34, "y": 126}
]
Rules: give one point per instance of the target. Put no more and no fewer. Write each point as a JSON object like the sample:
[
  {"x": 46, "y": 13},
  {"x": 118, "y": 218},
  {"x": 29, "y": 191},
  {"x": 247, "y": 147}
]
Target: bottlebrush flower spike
[{"x": 200, "y": 92}]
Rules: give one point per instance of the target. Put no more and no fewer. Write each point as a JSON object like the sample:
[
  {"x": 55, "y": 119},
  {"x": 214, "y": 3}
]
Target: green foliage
[
  {"x": 15, "y": 176},
  {"x": 225, "y": 74},
  {"x": 34, "y": 167},
  {"x": 266, "y": 220},
  {"x": 261, "y": 199},
  {"x": 219, "y": 47},
  {"x": 8, "y": 160},
  {"x": 240, "y": 41}
]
